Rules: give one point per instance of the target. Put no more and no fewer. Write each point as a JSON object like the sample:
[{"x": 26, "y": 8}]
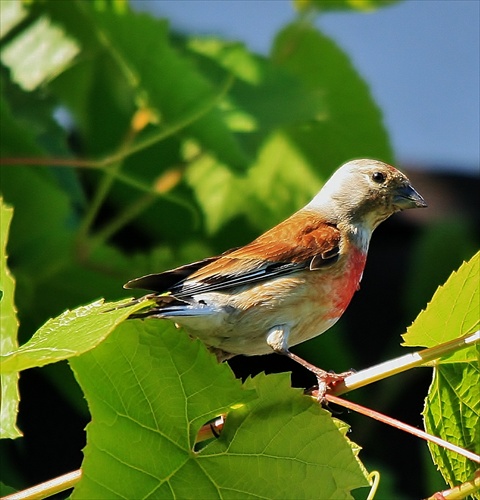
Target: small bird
[{"x": 294, "y": 281}]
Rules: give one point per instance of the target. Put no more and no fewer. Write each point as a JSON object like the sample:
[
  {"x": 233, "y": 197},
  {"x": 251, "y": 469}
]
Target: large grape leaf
[
  {"x": 8, "y": 332},
  {"x": 150, "y": 388},
  {"x": 452, "y": 407}
]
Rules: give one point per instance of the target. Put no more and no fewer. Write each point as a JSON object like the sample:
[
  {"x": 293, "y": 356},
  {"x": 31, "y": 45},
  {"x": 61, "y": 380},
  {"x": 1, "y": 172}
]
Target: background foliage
[{"x": 137, "y": 149}]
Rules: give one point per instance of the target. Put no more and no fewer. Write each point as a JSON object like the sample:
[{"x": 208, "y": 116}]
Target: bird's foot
[{"x": 327, "y": 381}]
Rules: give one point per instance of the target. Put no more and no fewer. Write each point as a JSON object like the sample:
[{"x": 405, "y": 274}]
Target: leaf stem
[
  {"x": 403, "y": 363},
  {"x": 402, "y": 426}
]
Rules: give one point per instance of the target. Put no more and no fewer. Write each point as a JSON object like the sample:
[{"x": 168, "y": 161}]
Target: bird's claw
[{"x": 327, "y": 382}]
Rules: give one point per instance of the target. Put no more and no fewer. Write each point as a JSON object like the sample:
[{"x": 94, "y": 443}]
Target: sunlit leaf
[
  {"x": 150, "y": 388},
  {"x": 220, "y": 192},
  {"x": 8, "y": 332},
  {"x": 38, "y": 53},
  {"x": 70, "y": 334},
  {"x": 12, "y": 12},
  {"x": 453, "y": 312}
]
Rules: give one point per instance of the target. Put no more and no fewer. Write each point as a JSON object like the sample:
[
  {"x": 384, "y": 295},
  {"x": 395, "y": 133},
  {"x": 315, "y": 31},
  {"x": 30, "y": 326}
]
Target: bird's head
[{"x": 366, "y": 192}]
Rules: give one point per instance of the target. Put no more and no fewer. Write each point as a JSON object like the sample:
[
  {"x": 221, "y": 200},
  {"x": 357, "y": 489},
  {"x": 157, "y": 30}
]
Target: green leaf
[
  {"x": 356, "y": 5},
  {"x": 150, "y": 388},
  {"x": 70, "y": 334},
  {"x": 452, "y": 408},
  {"x": 453, "y": 312},
  {"x": 452, "y": 412},
  {"x": 351, "y": 125},
  {"x": 281, "y": 181},
  {"x": 265, "y": 96},
  {"x": 283, "y": 434},
  {"x": 165, "y": 81},
  {"x": 8, "y": 332},
  {"x": 38, "y": 53},
  {"x": 6, "y": 490},
  {"x": 220, "y": 192}
]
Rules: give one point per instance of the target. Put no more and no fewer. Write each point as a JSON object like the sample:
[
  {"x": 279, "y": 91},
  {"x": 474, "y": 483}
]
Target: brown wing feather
[{"x": 290, "y": 241}]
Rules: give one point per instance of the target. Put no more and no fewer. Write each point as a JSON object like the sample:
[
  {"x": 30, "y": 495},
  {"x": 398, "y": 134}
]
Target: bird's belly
[{"x": 307, "y": 303}]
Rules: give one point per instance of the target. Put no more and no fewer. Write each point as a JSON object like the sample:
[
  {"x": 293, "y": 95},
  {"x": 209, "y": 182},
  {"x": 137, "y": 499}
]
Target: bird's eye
[{"x": 378, "y": 177}]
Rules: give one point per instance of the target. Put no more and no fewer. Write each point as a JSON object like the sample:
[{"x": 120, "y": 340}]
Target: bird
[{"x": 294, "y": 281}]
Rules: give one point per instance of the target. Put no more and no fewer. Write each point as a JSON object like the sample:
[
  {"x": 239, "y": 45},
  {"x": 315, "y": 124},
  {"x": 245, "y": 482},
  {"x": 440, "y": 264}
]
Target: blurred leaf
[
  {"x": 153, "y": 386},
  {"x": 265, "y": 95},
  {"x": 44, "y": 223},
  {"x": 352, "y": 123},
  {"x": 281, "y": 181},
  {"x": 329, "y": 5},
  {"x": 6, "y": 490},
  {"x": 38, "y": 53},
  {"x": 17, "y": 139},
  {"x": 453, "y": 312},
  {"x": 221, "y": 194},
  {"x": 12, "y": 12},
  {"x": 70, "y": 334},
  {"x": 452, "y": 412},
  {"x": 167, "y": 82},
  {"x": 8, "y": 332}
]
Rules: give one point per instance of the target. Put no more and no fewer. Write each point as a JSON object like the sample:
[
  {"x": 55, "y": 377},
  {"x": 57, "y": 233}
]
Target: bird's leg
[{"x": 277, "y": 339}]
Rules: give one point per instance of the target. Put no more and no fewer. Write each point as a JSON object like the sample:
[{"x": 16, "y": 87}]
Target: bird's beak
[{"x": 406, "y": 197}]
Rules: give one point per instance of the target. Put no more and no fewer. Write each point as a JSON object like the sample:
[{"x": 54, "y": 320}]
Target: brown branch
[{"x": 401, "y": 425}]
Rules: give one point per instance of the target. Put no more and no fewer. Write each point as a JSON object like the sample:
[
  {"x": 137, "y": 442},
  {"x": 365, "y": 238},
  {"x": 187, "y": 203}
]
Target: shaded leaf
[
  {"x": 431, "y": 267},
  {"x": 8, "y": 332},
  {"x": 452, "y": 411},
  {"x": 70, "y": 334}
]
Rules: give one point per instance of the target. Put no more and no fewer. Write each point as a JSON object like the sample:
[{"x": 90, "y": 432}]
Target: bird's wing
[{"x": 288, "y": 248}]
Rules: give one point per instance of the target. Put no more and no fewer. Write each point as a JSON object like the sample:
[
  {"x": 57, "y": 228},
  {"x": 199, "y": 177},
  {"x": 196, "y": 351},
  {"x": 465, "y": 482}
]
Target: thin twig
[{"x": 402, "y": 426}]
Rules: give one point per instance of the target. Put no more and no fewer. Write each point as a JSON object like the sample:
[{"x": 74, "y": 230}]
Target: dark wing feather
[{"x": 163, "y": 282}]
